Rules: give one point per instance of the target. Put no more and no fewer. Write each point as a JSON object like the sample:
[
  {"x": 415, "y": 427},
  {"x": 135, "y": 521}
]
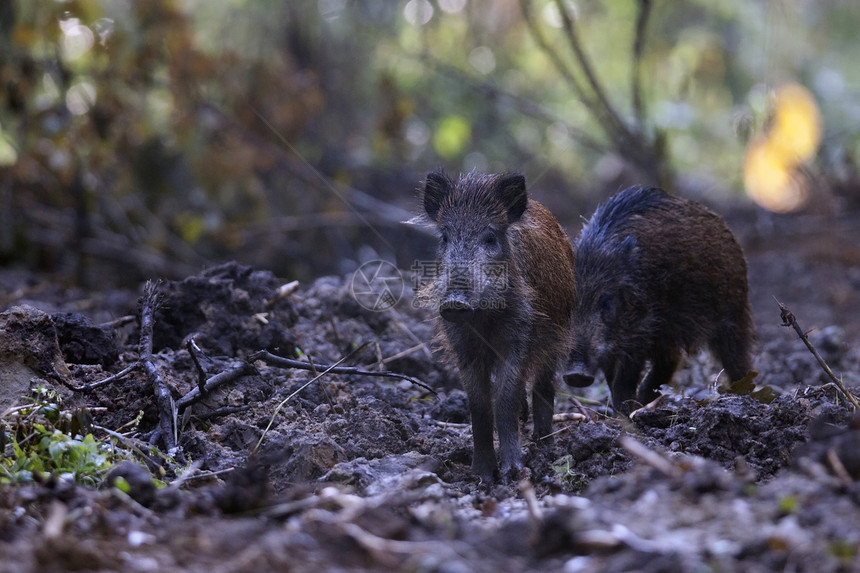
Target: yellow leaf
[
  {"x": 769, "y": 180},
  {"x": 771, "y": 168},
  {"x": 796, "y": 130}
]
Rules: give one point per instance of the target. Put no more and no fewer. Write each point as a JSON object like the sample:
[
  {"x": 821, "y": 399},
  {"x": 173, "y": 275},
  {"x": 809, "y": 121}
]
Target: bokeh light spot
[{"x": 772, "y": 168}]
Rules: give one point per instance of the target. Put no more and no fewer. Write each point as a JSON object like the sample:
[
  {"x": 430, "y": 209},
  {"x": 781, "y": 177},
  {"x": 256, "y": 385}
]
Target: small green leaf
[
  {"x": 122, "y": 484},
  {"x": 787, "y": 504}
]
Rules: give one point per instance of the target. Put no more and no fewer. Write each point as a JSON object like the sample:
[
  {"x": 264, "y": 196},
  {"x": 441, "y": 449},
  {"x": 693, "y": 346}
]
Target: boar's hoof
[
  {"x": 456, "y": 309},
  {"x": 485, "y": 472}
]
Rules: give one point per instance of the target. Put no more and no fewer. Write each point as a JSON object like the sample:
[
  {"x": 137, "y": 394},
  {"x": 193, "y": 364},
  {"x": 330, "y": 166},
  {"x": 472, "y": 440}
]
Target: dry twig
[
  {"x": 528, "y": 492},
  {"x": 283, "y": 292},
  {"x": 281, "y": 362},
  {"x": 118, "y": 322},
  {"x": 193, "y": 349},
  {"x": 290, "y": 397},
  {"x": 650, "y": 457},
  {"x": 196, "y": 394},
  {"x": 109, "y": 380},
  {"x": 838, "y": 467},
  {"x": 788, "y": 319}
]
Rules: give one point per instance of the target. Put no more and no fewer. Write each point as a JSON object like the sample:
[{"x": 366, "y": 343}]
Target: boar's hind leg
[
  {"x": 663, "y": 365},
  {"x": 732, "y": 346},
  {"x": 543, "y": 398},
  {"x": 624, "y": 382}
]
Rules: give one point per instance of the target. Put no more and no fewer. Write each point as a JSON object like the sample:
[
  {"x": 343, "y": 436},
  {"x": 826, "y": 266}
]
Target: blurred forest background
[{"x": 150, "y": 138}]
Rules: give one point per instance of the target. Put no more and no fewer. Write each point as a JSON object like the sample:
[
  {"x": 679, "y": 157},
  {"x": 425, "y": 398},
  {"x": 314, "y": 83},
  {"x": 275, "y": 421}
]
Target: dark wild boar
[
  {"x": 504, "y": 289},
  {"x": 656, "y": 274}
]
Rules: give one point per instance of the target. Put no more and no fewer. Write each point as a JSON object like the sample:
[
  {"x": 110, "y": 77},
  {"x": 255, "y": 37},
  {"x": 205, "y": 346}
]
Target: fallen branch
[
  {"x": 195, "y": 394},
  {"x": 282, "y": 362},
  {"x": 788, "y": 319},
  {"x": 164, "y": 401}
]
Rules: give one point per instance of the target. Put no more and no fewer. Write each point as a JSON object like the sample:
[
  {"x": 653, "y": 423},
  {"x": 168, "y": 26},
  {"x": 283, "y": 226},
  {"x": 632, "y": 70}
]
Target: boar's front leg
[
  {"x": 624, "y": 382},
  {"x": 508, "y": 390},
  {"x": 476, "y": 381},
  {"x": 663, "y": 366}
]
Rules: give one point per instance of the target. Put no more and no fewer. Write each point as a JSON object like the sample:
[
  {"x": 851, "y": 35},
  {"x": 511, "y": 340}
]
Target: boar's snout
[
  {"x": 455, "y": 308},
  {"x": 577, "y": 376}
]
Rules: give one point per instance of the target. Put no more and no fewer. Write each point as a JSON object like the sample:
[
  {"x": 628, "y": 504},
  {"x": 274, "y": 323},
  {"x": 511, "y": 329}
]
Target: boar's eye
[
  {"x": 608, "y": 306},
  {"x": 444, "y": 238},
  {"x": 490, "y": 239}
]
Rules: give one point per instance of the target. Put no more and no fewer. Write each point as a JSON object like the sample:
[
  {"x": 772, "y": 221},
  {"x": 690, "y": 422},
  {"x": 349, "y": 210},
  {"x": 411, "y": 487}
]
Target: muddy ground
[{"x": 359, "y": 472}]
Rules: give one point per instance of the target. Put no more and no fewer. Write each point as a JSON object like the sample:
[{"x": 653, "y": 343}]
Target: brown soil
[{"x": 357, "y": 472}]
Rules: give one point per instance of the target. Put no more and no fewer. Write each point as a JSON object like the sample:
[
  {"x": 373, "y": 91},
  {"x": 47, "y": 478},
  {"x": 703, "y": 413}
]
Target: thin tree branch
[
  {"x": 628, "y": 145},
  {"x": 572, "y": 35},
  {"x": 638, "y": 49},
  {"x": 559, "y": 64},
  {"x": 522, "y": 105}
]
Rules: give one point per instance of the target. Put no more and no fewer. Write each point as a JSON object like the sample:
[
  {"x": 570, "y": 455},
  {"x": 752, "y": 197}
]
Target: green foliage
[
  {"x": 41, "y": 442},
  {"x": 844, "y": 550},
  {"x": 159, "y": 135},
  {"x": 451, "y": 136},
  {"x": 80, "y": 459},
  {"x": 788, "y": 504},
  {"x": 569, "y": 478}
]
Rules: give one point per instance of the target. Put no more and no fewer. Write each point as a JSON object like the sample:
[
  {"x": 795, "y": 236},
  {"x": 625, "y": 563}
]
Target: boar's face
[
  {"x": 607, "y": 310},
  {"x": 472, "y": 216}
]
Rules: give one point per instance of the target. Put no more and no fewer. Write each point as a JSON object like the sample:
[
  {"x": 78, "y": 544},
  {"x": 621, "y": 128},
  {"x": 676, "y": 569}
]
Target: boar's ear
[
  {"x": 512, "y": 192},
  {"x": 437, "y": 186},
  {"x": 627, "y": 248}
]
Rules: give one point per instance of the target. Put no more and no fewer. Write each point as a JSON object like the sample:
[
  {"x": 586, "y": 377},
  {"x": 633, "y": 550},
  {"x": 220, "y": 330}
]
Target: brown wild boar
[
  {"x": 504, "y": 290},
  {"x": 656, "y": 274}
]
